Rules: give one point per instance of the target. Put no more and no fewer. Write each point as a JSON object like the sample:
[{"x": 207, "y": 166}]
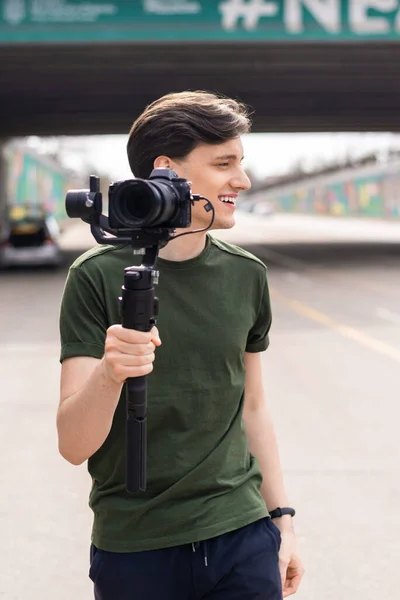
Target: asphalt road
[{"x": 332, "y": 381}]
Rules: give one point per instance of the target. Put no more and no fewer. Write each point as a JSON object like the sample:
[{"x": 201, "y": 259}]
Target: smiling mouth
[{"x": 227, "y": 200}]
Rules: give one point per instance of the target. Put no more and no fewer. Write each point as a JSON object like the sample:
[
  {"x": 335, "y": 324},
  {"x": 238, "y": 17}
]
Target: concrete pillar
[{"x": 3, "y": 191}]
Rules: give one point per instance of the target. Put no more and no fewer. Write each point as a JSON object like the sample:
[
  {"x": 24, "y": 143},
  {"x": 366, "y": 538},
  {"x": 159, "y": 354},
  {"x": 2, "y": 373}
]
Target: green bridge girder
[{"x": 90, "y": 67}]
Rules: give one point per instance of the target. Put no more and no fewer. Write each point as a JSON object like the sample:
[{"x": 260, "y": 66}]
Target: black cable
[{"x": 207, "y": 207}]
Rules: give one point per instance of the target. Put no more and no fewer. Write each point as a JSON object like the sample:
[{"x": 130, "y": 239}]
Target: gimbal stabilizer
[{"x": 146, "y": 218}]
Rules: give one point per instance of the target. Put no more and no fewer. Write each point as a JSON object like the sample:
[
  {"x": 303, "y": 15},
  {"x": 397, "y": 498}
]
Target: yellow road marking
[{"x": 348, "y": 332}]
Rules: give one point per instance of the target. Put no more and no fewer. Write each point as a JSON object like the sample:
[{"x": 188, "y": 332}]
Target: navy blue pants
[{"x": 239, "y": 565}]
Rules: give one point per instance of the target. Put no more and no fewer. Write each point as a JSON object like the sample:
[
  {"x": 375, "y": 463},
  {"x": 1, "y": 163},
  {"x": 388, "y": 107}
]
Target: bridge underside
[{"x": 100, "y": 89}]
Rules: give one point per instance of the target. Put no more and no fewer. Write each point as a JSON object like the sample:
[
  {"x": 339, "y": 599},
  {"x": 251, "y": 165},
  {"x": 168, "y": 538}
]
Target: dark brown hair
[{"x": 176, "y": 123}]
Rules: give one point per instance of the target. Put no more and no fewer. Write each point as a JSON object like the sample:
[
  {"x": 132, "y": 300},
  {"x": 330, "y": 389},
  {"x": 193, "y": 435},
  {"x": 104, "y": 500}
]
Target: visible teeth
[{"x": 227, "y": 199}]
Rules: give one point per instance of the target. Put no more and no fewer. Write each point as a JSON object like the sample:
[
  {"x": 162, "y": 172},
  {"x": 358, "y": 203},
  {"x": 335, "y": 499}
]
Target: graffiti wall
[
  {"x": 373, "y": 195},
  {"x": 33, "y": 185}
]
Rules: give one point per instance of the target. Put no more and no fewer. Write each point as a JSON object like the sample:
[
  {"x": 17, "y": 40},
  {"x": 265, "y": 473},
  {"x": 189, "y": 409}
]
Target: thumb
[{"x": 155, "y": 337}]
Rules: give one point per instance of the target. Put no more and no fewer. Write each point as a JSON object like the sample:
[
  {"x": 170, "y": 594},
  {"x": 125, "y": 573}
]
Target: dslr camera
[
  {"x": 143, "y": 212},
  {"x": 164, "y": 200}
]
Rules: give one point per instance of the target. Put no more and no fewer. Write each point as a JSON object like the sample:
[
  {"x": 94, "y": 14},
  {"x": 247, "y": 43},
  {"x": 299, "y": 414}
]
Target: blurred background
[{"x": 322, "y": 77}]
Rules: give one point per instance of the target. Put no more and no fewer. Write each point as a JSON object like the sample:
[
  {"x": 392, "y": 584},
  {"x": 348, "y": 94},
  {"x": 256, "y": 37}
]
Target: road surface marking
[{"x": 348, "y": 332}]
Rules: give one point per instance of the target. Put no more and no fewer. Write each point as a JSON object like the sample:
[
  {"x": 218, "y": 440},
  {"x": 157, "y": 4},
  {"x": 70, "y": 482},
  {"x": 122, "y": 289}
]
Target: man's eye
[{"x": 225, "y": 164}]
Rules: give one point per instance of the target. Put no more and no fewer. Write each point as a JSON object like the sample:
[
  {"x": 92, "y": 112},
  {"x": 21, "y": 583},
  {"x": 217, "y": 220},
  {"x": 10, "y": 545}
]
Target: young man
[{"x": 202, "y": 529}]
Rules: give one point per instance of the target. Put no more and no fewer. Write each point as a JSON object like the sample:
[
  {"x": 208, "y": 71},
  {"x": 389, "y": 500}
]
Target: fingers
[
  {"x": 292, "y": 577},
  {"x": 291, "y": 586},
  {"x": 114, "y": 344},
  {"x": 132, "y": 360},
  {"x": 120, "y": 373},
  {"x": 133, "y": 336},
  {"x": 283, "y": 571},
  {"x": 129, "y": 353}
]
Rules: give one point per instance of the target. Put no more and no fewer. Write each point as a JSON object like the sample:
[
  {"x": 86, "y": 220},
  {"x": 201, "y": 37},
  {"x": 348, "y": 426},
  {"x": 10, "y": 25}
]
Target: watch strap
[{"x": 280, "y": 512}]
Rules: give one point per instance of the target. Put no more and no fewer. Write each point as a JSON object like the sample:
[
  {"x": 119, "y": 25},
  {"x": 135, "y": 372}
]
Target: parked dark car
[{"x": 32, "y": 242}]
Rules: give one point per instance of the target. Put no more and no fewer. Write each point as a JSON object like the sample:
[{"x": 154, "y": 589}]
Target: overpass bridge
[{"x": 89, "y": 67}]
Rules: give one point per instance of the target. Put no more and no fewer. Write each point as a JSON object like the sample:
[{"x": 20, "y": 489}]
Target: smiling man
[{"x": 210, "y": 523}]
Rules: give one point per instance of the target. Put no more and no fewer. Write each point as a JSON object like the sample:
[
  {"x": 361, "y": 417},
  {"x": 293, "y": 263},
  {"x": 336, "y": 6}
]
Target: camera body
[
  {"x": 164, "y": 200},
  {"x": 142, "y": 212}
]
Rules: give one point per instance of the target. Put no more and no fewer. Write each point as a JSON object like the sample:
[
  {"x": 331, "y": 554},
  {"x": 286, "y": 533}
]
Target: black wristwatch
[{"x": 279, "y": 512}]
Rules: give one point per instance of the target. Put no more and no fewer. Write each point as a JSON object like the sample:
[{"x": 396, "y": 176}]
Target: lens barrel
[
  {"x": 141, "y": 203},
  {"x": 77, "y": 204}
]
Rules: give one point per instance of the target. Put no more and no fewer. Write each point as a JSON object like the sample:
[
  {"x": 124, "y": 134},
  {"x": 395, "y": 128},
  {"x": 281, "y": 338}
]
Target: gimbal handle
[{"x": 139, "y": 309}]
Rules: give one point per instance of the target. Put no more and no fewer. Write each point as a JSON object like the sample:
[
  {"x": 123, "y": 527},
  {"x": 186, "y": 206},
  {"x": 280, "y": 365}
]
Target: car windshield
[{"x": 27, "y": 234}]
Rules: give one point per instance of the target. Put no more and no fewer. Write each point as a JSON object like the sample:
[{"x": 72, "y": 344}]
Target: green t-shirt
[{"x": 202, "y": 480}]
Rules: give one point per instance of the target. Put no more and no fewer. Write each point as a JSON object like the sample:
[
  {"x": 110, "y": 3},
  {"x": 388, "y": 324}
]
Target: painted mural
[
  {"x": 34, "y": 187},
  {"x": 376, "y": 195}
]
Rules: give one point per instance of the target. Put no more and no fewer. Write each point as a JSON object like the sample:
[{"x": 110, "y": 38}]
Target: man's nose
[{"x": 241, "y": 182}]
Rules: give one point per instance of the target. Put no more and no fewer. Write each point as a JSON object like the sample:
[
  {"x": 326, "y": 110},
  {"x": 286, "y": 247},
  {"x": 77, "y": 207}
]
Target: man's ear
[{"x": 162, "y": 162}]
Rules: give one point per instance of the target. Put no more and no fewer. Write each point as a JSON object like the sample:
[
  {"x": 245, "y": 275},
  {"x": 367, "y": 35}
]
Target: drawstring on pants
[{"x": 203, "y": 546}]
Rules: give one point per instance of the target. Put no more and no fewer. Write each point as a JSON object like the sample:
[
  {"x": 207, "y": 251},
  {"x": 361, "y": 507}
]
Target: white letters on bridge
[
  {"x": 364, "y": 24},
  {"x": 328, "y": 13},
  {"x": 250, "y": 12},
  {"x": 217, "y": 19}
]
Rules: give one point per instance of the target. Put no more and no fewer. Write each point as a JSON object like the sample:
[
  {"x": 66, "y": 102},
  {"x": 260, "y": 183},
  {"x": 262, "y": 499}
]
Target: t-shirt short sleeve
[
  {"x": 83, "y": 319},
  {"x": 258, "y": 339}
]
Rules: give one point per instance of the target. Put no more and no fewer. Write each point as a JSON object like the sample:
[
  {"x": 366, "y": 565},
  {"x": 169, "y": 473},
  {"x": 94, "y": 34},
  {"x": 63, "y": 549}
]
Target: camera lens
[
  {"x": 77, "y": 204},
  {"x": 140, "y": 203},
  {"x": 136, "y": 203}
]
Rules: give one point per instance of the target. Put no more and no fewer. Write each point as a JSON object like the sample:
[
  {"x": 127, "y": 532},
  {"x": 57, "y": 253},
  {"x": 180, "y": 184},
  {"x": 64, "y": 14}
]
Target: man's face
[{"x": 216, "y": 172}]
